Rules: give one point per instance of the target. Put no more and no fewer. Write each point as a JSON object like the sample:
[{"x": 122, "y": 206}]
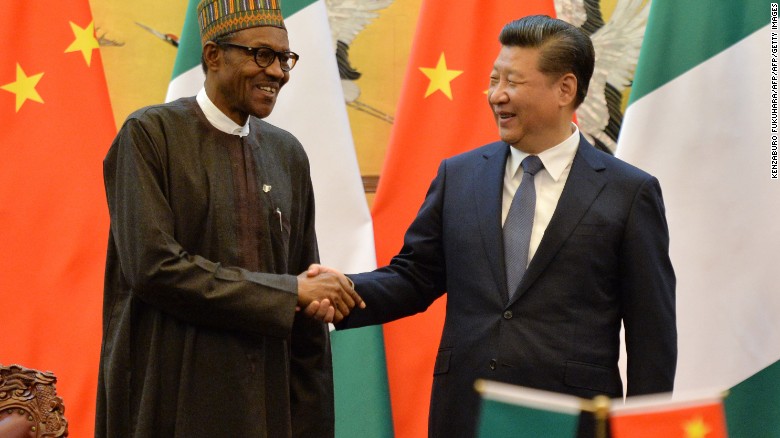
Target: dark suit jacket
[{"x": 603, "y": 259}]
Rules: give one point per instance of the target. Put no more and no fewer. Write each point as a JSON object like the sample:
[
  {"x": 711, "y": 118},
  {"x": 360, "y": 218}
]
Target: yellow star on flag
[
  {"x": 696, "y": 428},
  {"x": 24, "y": 87},
  {"x": 85, "y": 41},
  {"x": 440, "y": 78}
]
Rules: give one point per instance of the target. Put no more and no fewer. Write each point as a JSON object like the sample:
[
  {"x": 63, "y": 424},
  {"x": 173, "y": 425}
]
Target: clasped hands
[{"x": 326, "y": 294}]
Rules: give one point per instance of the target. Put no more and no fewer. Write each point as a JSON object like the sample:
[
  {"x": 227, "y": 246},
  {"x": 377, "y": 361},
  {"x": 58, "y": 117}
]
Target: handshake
[{"x": 326, "y": 294}]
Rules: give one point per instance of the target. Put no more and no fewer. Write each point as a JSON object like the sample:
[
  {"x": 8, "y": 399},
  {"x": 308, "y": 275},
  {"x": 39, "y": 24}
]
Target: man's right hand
[{"x": 326, "y": 294}]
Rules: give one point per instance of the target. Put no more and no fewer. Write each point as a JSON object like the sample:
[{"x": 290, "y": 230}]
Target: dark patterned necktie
[{"x": 518, "y": 224}]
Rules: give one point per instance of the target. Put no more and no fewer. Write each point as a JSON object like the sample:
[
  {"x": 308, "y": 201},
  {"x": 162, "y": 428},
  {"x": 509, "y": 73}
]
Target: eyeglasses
[{"x": 265, "y": 56}]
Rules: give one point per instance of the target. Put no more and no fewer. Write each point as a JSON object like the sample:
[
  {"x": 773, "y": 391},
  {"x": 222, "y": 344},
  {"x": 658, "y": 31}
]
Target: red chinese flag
[
  {"x": 698, "y": 420},
  {"x": 443, "y": 111},
  {"x": 57, "y": 125}
]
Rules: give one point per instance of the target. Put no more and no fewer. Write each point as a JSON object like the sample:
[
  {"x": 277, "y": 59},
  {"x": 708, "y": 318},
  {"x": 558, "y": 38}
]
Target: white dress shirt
[
  {"x": 548, "y": 183},
  {"x": 218, "y": 119}
]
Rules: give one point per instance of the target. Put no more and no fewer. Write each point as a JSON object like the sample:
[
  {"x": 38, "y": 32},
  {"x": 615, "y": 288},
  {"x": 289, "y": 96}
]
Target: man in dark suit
[{"x": 594, "y": 255}]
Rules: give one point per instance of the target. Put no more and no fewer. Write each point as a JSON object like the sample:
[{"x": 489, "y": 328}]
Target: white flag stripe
[
  {"x": 705, "y": 135},
  {"x": 186, "y": 84},
  {"x": 311, "y": 106}
]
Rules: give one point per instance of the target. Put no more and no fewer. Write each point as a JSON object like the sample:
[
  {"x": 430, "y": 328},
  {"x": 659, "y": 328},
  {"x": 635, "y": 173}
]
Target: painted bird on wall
[
  {"x": 347, "y": 18},
  {"x": 617, "y": 44}
]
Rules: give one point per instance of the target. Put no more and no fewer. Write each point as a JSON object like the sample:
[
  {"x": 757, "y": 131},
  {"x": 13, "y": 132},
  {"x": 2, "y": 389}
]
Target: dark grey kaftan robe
[{"x": 195, "y": 344}]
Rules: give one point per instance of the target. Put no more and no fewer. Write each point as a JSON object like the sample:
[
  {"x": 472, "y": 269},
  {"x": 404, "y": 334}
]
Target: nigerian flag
[
  {"x": 311, "y": 106},
  {"x": 703, "y": 118}
]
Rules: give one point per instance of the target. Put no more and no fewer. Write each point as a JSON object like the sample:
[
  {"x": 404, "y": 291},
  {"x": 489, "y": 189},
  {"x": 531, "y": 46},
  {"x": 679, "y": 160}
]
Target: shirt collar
[
  {"x": 555, "y": 160},
  {"x": 218, "y": 119}
]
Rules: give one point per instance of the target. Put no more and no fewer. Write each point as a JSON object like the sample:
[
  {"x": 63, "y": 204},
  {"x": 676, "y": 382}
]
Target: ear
[
  {"x": 567, "y": 89},
  {"x": 212, "y": 55}
]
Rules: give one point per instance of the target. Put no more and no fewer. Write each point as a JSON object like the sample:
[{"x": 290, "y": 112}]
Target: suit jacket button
[
  {"x": 492, "y": 364},
  {"x": 508, "y": 314}
]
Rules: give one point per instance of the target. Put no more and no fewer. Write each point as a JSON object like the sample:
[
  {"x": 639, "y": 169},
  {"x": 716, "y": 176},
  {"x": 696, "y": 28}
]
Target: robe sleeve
[{"x": 160, "y": 272}]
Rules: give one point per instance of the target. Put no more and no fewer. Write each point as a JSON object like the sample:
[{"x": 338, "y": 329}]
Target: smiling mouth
[{"x": 267, "y": 89}]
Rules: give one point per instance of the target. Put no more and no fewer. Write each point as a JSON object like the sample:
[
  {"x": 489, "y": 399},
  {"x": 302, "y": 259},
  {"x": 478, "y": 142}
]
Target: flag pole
[{"x": 599, "y": 406}]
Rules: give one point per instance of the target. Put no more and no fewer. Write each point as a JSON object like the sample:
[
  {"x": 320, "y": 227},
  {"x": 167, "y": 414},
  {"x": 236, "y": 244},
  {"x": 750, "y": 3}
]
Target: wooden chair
[{"x": 29, "y": 405}]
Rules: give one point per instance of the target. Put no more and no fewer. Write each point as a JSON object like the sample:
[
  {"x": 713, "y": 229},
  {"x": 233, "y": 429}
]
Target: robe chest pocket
[
  {"x": 279, "y": 226},
  {"x": 280, "y": 222}
]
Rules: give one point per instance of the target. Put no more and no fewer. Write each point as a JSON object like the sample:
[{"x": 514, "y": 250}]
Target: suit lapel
[
  {"x": 584, "y": 183},
  {"x": 489, "y": 178}
]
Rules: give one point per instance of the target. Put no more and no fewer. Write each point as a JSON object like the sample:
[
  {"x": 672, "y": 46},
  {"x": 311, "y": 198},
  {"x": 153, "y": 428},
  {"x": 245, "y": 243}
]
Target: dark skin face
[{"x": 234, "y": 82}]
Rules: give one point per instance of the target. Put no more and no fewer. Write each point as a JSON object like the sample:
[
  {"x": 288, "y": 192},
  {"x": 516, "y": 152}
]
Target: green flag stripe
[
  {"x": 360, "y": 377},
  {"x": 188, "y": 55},
  {"x": 682, "y": 34},
  {"x": 753, "y": 406},
  {"x": 290, "y": 7}
]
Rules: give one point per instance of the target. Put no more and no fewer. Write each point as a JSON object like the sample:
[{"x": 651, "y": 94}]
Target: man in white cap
[{"x": 212, "y": 217}]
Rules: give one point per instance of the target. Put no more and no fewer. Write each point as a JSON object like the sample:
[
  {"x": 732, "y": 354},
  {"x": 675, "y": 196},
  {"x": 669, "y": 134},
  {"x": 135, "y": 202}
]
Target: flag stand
[{"x": 599, "y": 406}]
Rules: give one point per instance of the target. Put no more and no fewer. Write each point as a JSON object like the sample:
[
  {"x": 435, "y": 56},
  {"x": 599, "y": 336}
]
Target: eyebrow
[{"x": 509, "y": 72}]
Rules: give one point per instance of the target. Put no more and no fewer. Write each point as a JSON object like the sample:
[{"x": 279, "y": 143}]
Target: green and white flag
[
  {"x": 703, "y": 118},
  {"x": 311, "y": 106},
  {"x": 518, "y": 412}
]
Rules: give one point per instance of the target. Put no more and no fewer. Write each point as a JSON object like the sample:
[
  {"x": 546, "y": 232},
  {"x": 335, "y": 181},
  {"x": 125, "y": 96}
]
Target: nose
[
  {"x": 497, "y": 94},
  {"x": 275, "y": 69}
]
